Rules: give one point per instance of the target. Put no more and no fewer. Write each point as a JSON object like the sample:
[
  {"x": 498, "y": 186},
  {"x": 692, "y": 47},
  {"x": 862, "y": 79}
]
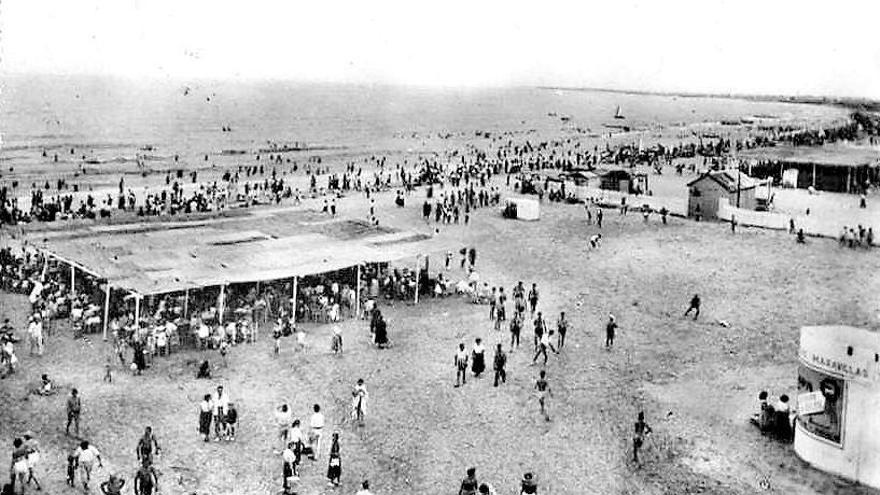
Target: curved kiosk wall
[{"x": 838, "y": 403}]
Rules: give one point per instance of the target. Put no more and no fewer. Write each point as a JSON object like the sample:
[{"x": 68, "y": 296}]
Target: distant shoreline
[{"x": 865, "y": 104}]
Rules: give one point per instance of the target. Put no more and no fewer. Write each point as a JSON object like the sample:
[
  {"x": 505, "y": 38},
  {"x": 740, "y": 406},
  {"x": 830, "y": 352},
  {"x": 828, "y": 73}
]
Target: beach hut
[
  {"x": 622, "y": 180},
  {"x": 705, "y": 191},
  {"x": 838, "y": 425}
]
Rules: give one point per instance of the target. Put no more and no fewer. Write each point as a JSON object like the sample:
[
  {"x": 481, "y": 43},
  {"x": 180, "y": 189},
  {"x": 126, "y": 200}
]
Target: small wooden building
[
  {"x": 622, "y": 180},
  {"x": 705, "y": 191}
]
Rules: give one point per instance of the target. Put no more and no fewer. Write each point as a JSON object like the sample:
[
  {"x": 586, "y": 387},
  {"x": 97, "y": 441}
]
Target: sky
[{"x": 801, "y": 47}]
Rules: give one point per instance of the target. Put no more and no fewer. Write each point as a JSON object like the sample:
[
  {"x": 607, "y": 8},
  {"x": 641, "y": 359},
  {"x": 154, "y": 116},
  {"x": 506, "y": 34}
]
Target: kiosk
[{"x": 838, "y": 403}]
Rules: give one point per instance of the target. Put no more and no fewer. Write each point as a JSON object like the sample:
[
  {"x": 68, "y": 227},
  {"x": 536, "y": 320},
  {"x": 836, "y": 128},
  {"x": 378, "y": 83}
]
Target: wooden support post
[
  {"x": 295, "y": 290},
  {"x": 221, "y": 305},
  {"x": 357, "y": 293},
  {"x": 106, "y": 308},
  {"x": 72, "y": 280},
  {"x": 186, "y": 304},
  {"x": 137, "y": 310},
  {"x": 418, "y": 269}
]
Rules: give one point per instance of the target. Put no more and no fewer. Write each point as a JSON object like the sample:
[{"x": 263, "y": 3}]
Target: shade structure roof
[
  {"x": 834, "y": 155},
  {"x": 157, "y": 258}
]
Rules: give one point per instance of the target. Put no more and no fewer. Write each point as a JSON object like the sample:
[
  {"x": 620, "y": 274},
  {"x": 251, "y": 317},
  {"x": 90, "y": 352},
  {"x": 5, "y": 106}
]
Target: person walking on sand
[
  {"x": 499, "y": 363},
  {"x": 461, "y": 365},
  {"x": 610, "y": 329},
  {"x": 146, "y": 446},
  {"x": 146, "y": 480},
  {"x": 543, "y": 390},
  {"x": 641, "y": 430},
  {"x": 540, "y": 329},
  {"x": 533, "y": 298},
  {"x": 86, "y": 456},
  {"x": 334, "y": 466},
  {"x": 359, "y": 402},
  {"x": 694, "y": 306},
  {"x": 33, "y": 457},
  {"x": 74, "y": 408},
  {"x": 316, "y": 431}
]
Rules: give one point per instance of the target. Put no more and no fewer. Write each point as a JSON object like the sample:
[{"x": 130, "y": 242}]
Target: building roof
[
  {"x": 836, "y": 155},
  {"x": 728, "y": 179},
  {"x": 149, "y": 259}
]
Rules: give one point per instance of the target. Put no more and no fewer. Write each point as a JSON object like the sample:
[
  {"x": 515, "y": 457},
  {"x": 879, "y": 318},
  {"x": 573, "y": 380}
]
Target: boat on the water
[{"x": 618, "y": 114}]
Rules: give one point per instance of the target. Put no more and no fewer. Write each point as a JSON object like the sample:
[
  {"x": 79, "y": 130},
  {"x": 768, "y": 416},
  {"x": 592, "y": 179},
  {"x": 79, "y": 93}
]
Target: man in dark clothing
[
  {"x": 609, "y": 332},
  {"x": 145, "y": 446},
  {"x": 469, "y": 485},
  {"x": 641, "y": 431},
  {"x": 695, "y": 305},
  {"x": 561, "y": 329},
  {"x": 74, "y": 407},
  {"x": 145, "y": 480},
  {"x": 515, "y": 329},
  {"x": 499, "y": 363}
]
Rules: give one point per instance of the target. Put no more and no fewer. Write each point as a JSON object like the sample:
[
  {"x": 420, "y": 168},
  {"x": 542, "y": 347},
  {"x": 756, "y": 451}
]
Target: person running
[
  {"x": 610, "y": 329},
  {"x": 543, "y": 344},
  {"x": 334, "y": 466},
  {"x": 74, "y": 408},
  {"x": 146, "y": 480},
  {"x": 694, "y": 306},
  {"x": 543, "y": 391},
  {"x": 113, "y": 486},
  {"x": 515, "y": 330},
  {"x": 86, "y": 455},
  {"x": 561, "y": 329},
  {"x": 642, "y": 430},
  {"x": 359, "y": 402},
  {"x": 145, "y": 446},
  {"x": 478, "y": 365},
  {"x": 461, "y": 365},
  {"x": 499, "y": 363},
  {"x": 533, "y": 298},
  {"x": 33, "y": 457},
  {"x": 469, "y": 484}
]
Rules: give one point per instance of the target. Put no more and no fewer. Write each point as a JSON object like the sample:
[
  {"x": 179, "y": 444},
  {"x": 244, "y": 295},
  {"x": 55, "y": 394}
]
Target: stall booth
[
  {"x": 838, "y": 404},
  {"x": 521, "y": 208}
]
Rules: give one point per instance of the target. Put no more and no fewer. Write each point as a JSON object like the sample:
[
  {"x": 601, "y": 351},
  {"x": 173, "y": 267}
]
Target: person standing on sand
[
  {"x": 610, "y": 329},
  {"x": 205, "y": 408},
  {"x": 461, "y": 365},
  {"x": 499, "y": 363},
  {"x": 515, "y": 329},
  {"x": 146, "y": 445},
  {"x": 543, "y": 391},
  {"x": 694, "y": 306},
  {"x": 469, "y": 484},
  {"x": 359, "y": 402},
  {"x": 540, "y": 329},
  {"x": 599, "y": 216},
  {"x": 478, "y": 364},
  {"x": 561, "y": 329},
  {"x": 74, "y": 408},
  {"x": 533, "y": 298}
]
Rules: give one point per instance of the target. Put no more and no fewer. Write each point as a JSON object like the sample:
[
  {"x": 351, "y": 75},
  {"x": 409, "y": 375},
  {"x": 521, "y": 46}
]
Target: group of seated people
[{"x": 774, "y": 419}]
